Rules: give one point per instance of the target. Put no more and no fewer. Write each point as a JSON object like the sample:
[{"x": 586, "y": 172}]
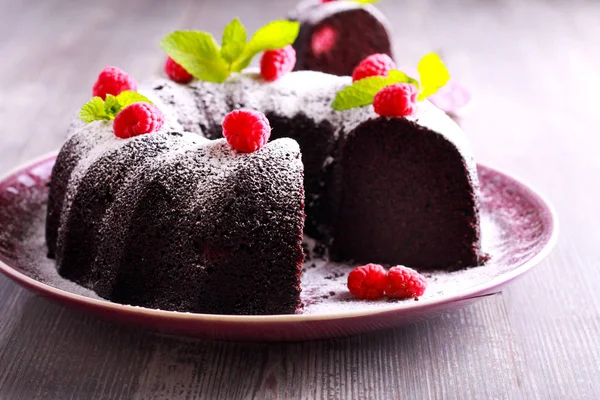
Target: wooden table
[{"x": 534, "y": 69}]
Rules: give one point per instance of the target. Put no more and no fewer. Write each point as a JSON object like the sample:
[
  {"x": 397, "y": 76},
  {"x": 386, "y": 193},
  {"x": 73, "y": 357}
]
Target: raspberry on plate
[
  {"x": 374, "y": 65},
  {"x": 399, "y": 100},
  {"x": 404, "y": 283},
  {"x": 246, "y": 130},
  {"x": 276, "y": 63},
  {"x": 176, "y": 72},
  {"x": 367, "y": 282},
  {"x": 138, "y": 119},
  {"x": 113, "y": 80}
]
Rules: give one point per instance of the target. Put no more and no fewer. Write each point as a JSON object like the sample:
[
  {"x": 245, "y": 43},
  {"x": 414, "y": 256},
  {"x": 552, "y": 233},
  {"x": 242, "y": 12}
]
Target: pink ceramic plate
[{"x": 518, "y": 228}]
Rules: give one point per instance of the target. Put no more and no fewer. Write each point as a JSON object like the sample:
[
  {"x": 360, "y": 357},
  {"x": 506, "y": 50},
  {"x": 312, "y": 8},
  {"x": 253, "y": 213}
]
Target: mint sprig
[
  {"x": 433, "y": 75},
  {"x": 200, "y": 54},
  {"x": 275, "y": 35},
  {"x": 197, "y": 52},
  {"x": 105, "y": 110},
  {"x": 361, "y": 93}
]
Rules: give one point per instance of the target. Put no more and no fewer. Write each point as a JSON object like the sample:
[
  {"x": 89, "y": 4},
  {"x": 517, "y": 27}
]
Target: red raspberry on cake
[
  {"x": 113, "y": 80},
  {"x": 367, "y": 282},
  {"x": 374, "y": 65},
  {"x": 246, "y": 130},
  {"x": 138, "y": 119},
  {"x": 323, "y": 40},
  {"x": 399, "y": 100},
  {"x": 176, "y": 72},
  {"x": 276, "y": 63},
  {"x": 404, "y": 283}
]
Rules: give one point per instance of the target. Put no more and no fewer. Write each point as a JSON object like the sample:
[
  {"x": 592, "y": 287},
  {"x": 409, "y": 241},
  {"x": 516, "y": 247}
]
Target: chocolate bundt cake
[
  {"x": 336, "y": 36},
  {"x": 175, "y": 221}
]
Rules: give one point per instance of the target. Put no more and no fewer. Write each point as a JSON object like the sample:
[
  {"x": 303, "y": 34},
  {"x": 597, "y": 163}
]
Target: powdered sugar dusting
[{"x": 200, "y": 107}]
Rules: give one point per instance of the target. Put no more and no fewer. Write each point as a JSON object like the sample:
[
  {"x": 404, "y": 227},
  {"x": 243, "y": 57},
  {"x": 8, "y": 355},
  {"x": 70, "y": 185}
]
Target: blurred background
[{"x": 532, "y": 66}]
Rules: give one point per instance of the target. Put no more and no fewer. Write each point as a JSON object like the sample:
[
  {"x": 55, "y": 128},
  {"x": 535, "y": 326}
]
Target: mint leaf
[
  {"x": 351, "y": 97},
  {"x": 105, "y": 110},
  {"x": 128, "y": 97},
  {"x": 433, "y": 75},
  {"x": 201, "y": 56},
  {"x": 234, "y": 41},
  {"x": 275, "y": 35},
  {"x": 111, "y": 106},
  {"x": 114, "y": 104},
  {"x": 401, "y": 77},
  {"x": 198, "y": 53},
  {"x": 361, "y": 93},
  {"x": 93, "y": 110}
]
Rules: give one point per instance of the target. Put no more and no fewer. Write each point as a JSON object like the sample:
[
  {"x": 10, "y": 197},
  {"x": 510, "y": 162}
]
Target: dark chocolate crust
[
  {"x": 360, "y": 31},
  {"x": 173, "y": 221}
]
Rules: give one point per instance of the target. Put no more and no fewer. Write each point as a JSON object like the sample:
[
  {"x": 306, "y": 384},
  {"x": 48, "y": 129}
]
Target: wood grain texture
[{"x": 534, "y": 69}]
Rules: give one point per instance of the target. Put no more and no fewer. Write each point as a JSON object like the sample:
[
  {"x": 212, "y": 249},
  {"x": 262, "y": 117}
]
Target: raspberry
[
  {"x": 137, "y": 119},
  {"x": 323, "y": 40},
  {"x": 246, "y": 130},
  {"x": 374, "y": 65},
  {"x": 176, "y": 72},
  {"x": 367, "y": 282},
  {"x": 276, "y": 63},
  {"x": 397, "y": 100},
  {"x": 113, "y": 81},
  {"x": 404, "y": 283}
]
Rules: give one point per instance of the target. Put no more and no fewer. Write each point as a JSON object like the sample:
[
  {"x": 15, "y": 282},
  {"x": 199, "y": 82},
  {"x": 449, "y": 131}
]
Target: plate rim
[{"x": 399, "y": 307}]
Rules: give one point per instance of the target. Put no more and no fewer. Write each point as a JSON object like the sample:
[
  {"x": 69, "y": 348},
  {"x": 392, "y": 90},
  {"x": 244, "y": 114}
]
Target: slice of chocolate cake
[
  {"x": 336, "y": 36},
  {"x": 403, "y": 192}
]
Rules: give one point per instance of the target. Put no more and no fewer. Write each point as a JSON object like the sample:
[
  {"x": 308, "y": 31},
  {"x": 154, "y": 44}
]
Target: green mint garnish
[
  {"x": 200, "y": 54},
  {"x": 234, "y": 41},
  {"x": 105, "y": 110},
  {"x": 361, "y": 93},
  {"x": 93, "y": 110},
  {"x": 433, "y": 75},
  {"x": 275, "y": 35}
]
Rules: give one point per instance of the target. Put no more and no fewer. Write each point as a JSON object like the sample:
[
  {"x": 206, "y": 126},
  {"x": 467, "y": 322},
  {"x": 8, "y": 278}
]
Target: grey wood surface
[{"x": 534, "y": 68}]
